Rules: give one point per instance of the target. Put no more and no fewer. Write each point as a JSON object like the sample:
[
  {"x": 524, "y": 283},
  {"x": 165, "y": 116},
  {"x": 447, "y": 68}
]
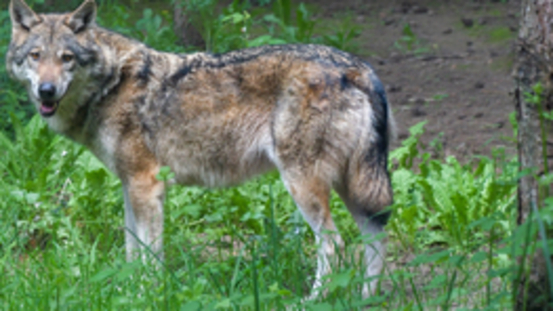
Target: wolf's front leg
[{"x": 144, "y": 196}]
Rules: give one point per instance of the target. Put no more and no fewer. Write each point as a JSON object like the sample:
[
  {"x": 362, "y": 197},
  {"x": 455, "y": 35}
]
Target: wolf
[{"x": 316, "y": 114}]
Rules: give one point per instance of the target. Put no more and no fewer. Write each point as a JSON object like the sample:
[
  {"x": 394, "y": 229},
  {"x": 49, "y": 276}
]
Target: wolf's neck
[
  {"x": 129, "y": 57},
  {"x": 118, "y": 51}
]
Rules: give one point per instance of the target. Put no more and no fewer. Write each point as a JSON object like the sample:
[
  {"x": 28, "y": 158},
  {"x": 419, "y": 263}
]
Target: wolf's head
[{"x": 52, "y": 54}]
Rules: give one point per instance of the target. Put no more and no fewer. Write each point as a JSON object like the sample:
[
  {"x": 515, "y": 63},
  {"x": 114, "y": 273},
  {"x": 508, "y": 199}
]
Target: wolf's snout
[{"x": 47, "y": 91}]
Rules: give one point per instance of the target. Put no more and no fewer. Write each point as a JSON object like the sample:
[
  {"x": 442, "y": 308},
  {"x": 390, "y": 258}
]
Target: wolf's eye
[
  {"x": 34, "y": 55},
  {"x": 66, "y": 58}
]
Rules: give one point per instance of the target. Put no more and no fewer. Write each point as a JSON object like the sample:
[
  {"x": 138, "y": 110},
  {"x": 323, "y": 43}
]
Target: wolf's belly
[{"x": 222, "y": 172}]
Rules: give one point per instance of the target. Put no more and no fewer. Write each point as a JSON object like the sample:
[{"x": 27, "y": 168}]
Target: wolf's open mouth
[{"x": 47, "y": 109}]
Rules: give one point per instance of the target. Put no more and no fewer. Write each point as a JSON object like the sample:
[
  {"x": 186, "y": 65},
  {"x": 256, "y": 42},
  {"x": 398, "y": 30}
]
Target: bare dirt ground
[{"x": 456, "y": 74}]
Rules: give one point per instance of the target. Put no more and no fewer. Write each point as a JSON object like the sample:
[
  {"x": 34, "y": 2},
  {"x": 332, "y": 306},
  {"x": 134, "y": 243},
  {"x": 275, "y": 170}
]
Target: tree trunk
[
  {"x": 187, "y": 33},
  {"x": 534, "y": 65}
]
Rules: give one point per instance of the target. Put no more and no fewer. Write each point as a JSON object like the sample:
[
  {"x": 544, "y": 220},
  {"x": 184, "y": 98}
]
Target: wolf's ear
[
  {"x": 82, "y": 17},
  {"x": 22, "y": 16}
]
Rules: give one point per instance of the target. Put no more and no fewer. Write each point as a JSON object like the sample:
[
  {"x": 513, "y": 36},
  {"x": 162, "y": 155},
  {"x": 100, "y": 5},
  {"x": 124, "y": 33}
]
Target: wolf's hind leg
[
  {"x": 311, "y": 195},
  {"x": 143, "y": 216},
  {"x": 367, "y": 193}
]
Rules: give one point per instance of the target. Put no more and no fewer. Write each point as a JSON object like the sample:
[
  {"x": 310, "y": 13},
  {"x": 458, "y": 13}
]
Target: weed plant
[{"x": 409, "y": 42}]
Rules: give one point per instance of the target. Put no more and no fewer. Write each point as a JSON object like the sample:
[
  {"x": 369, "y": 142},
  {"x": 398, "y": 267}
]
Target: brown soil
[{"x": 457, "y": 75}]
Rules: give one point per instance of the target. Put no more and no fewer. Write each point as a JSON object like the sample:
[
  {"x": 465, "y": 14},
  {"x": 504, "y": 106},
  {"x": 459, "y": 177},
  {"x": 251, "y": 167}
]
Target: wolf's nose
[{"x": 47, "y": 91}]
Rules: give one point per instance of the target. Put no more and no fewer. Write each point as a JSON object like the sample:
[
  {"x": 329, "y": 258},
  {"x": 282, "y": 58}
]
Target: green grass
[
  {"x": 492, "y": 34},
  {"x": 500, "y": 34},
  {"x": 63, "y": 244}
]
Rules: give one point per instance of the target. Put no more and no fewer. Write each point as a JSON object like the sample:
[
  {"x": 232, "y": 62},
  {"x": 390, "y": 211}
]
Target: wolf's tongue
[{"x": 48, "y": 107}]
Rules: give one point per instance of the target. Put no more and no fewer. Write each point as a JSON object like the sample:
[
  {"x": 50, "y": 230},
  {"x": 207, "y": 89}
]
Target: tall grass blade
[
  {"x": 546, "y": 252},
  {"x": 416, "y": 293},
  {"x": 254, "y": 276}
]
